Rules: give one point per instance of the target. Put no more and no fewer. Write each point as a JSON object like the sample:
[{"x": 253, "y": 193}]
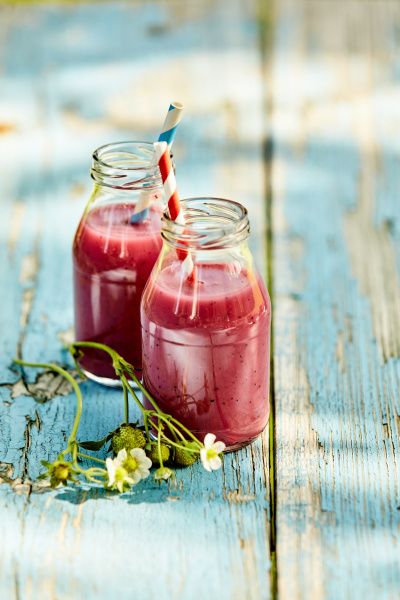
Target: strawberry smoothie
[
  {"x": 112, "y": 262},
  {"x": 206, "y": 349}
]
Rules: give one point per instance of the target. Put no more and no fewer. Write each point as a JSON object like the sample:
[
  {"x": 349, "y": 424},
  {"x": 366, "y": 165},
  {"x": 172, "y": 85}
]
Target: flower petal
[
  {"x": 111, "y": 471},
  {"x": 121, "y": 456},
  {"x": 136, "y": 476},
  {"x": 146, "y": 463},
  {"x": 219, "y": 447},
  {"x": 138, "y": 454},
  {"x": 209, "y": 440},
  {"x": 215, "y": 463},
  {"x": 163, "y": 473},
  {"x": 143, "y": 472},
  {"x": 204, "y": 460}
]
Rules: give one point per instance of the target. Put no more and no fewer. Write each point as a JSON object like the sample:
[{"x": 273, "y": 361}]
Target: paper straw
[
  {"x": 171, "y": 123},
  {"x": 171, "y": 193},
  {"x": 167, "y": 135}
]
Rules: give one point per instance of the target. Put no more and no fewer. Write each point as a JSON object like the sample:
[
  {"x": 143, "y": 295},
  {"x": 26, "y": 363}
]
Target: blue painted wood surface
[
  {"x": 336, "y": 223},
  {"x": 74, "y": 77},
  {"x": 323, "y": 83}
]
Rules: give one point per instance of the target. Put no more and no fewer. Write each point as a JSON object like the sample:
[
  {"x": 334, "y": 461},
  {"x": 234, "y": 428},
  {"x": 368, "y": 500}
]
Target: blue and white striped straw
[
  {"x": 171, "y": 123},
  {"x": 167, "y": 134}
]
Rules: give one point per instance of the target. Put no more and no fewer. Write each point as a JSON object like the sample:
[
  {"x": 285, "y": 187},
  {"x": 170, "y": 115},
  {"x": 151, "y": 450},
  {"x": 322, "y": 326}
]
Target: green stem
[
  {"x": 168, "y": 441},
  {"x": 91, "y": 458},
  {"x": 126, "y": 402},
  {"x": 125, "y": 366},
  {"x": 120, "y": 364},
  {"x": 74, "y": 452},
  {"x": 125, "y": 382},
  {"x": 78, "y": 368},
  {"x": 159, "y": 449},
  {"x": 146, "y": 393},
  {"x": 72, "y": 381},
  {"x": 173, "y": 429},
  {"x": 114, "y": 355},
  {"x": 172, "y": 420},
  {"x": 146, "y": 426}
]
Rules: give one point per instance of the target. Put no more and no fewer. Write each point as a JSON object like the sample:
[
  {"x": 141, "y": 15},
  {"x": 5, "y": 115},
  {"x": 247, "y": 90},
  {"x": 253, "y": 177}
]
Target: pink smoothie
[
  {"x": 112, "y": 262},
  {"x": 206, "y": 352}
]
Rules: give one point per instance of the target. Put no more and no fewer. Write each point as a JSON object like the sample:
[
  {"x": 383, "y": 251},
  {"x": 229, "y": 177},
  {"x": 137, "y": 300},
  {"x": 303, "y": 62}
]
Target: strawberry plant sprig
[
  {"x": 61, "y": 471},
  {"x": 134, "y": 449}
]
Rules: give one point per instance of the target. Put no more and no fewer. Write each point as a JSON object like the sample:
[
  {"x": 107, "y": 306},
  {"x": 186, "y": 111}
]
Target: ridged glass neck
[
  {"x": 125, "y": 166},
  {"x": 210, "y": 224}
]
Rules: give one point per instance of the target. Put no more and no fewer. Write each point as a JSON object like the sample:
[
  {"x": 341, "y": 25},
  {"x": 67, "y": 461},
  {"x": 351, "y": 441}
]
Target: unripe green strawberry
[
  {"x": 127, "y": 437},
  {"x": 152, "y": 453},
  {"x": 183, "y": 459}
]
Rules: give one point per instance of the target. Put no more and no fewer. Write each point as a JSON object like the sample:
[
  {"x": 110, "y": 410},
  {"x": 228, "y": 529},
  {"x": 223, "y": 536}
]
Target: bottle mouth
[
  {"x": 126, "y": 166},
  {"x": 210, "y": 224}
]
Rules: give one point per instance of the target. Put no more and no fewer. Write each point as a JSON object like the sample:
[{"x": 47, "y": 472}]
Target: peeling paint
[
  {"x": 15, "y": 227},
  {"x": 27, "y": 303},
  {"x": 60, "y": 535},
  {"x": 66, "y": 337},
  {"x": 236, "y": 496},
  {"x": 48, "y": 384},
  {"x": 18, "y": 389},
  {"x": 29, "y": 268},
  {"x": 6, "y": 472}
]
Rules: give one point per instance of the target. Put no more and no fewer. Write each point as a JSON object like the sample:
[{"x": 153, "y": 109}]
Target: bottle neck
[
  {"x": 210, "y": 224},
  {"x": 125, "y": 167}
]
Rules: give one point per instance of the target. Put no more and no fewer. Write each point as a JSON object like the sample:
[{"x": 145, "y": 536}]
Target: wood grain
[
  {"x": 336, "y": 223},
  {"x": 74, "y": 77}
]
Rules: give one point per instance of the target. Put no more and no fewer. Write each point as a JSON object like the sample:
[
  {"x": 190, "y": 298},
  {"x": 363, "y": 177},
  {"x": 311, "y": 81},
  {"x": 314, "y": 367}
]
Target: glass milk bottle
[
  {"x": 206, "y": 338},
  {"x": 113, "y": 257}
]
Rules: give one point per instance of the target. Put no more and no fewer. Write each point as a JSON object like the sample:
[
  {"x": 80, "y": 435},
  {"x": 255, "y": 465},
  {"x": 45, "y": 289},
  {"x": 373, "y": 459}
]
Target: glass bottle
[
  {"x": 206, "y": 336},
  {"x": 113, "y": 257}
]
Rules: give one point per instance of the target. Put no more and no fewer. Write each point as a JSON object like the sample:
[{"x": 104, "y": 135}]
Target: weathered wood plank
[
  {"x": 74, "y": 77},
  {"x": 336, "y": 221}
]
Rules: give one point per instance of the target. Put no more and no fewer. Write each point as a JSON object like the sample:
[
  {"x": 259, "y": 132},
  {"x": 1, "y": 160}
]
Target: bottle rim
[
  {"x": 126, "y": 166},
  {"x": 210, "y": 224}
]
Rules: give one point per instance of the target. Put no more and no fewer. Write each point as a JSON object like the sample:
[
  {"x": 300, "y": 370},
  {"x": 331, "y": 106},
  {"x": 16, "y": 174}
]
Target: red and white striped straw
[{"x": 171, "y": 193}]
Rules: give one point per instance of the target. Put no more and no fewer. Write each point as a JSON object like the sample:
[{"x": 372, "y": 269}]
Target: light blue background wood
[{"x": 336, "y": 221}]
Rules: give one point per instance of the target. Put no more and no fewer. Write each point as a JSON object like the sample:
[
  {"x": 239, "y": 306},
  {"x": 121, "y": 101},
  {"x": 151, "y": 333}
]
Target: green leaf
[{"x": 93, "y": 445}]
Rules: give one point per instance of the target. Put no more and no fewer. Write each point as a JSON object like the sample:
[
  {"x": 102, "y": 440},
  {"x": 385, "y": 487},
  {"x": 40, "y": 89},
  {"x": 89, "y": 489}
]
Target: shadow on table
[{"x": 150, "y": 494}]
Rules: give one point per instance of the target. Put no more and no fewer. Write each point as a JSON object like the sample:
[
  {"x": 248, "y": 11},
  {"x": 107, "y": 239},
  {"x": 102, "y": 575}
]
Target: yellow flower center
[
  {"x": 61, "y": 472},
  {"x": 120, "y": 473},
  {"x": 130, "y": 464},
  {"x": 211, "y": 453}
]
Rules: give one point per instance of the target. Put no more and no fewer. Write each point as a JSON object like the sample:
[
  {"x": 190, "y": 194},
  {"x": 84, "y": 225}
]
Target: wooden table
[{"x": 292, "y": 109}]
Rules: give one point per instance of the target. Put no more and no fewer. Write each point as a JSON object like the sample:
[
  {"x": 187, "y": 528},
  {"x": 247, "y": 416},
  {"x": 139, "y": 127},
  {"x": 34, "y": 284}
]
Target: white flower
[
  {"x": 124, "y": 470},
  {"x": 118, "y": 477},
  {"x": 163, "y": 473},
  {"x": 210, "y": 454},
  {"x": 137, "y": 463}
]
